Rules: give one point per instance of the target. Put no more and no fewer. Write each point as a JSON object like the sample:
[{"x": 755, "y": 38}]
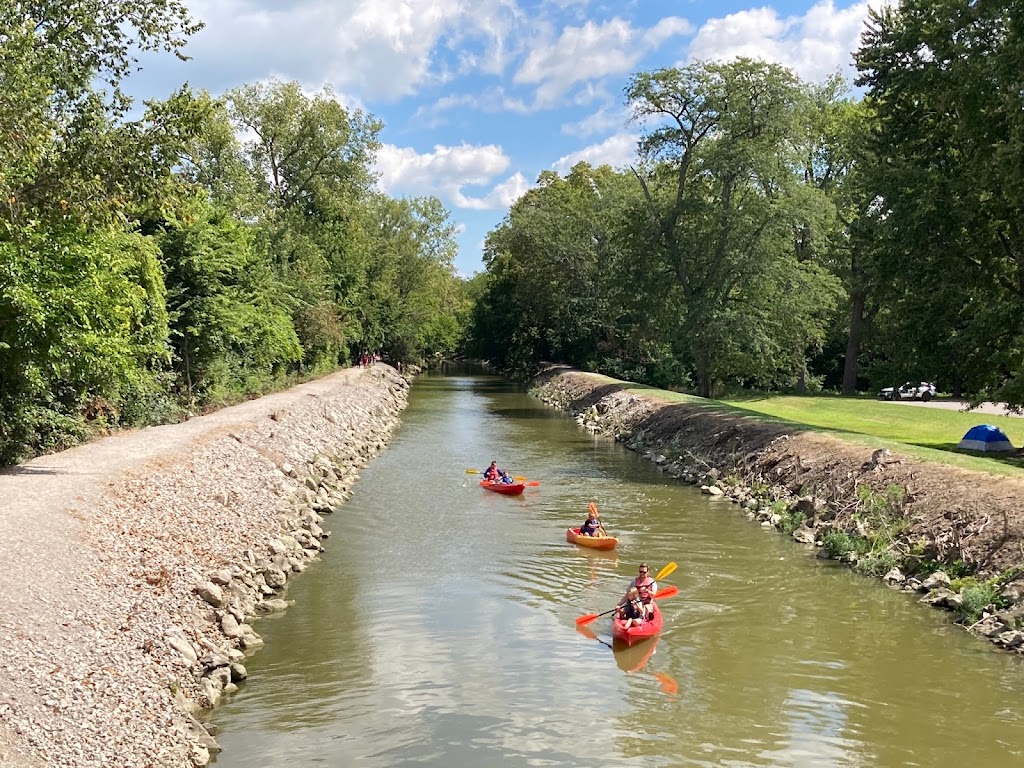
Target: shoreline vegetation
[{"x": 952, "y": 535}]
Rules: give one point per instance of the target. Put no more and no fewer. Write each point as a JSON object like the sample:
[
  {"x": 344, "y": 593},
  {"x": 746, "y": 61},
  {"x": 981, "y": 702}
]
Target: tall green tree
[
  {"x": 311, "y": 159},
  {"x": 723, "y": 206},
  {"x": 945, "y": 82}
]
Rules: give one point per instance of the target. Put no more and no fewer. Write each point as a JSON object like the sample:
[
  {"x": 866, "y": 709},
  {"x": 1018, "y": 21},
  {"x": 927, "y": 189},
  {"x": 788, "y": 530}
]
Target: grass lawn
[{"x": 930, "y": 434}]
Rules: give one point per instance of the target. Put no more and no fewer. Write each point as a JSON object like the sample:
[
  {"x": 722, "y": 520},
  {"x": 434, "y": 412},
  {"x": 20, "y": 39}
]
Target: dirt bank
[
  {"x": 135, "y": 566},
  {"x": 951, "y": 534}
]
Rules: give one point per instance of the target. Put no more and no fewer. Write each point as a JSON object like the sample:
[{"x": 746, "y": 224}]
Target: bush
[
  {"x": 976, "y": 599},
  {"x": 792, "y": 518},
  {"x": 839, "y": 543}
]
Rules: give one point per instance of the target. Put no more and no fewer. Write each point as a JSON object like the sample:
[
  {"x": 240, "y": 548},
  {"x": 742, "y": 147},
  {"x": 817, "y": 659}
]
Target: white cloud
[
  {"x": 447, "y": 171},
  {"x": 813, "y": 45},
  {"x": 493, "y": 100},
  {"x": 617, "y": 151},
  {"x": 604, "y": 120},
  {"x": 499, "y": 198},
  {"x": 591, "y": 52},
  {"x": 384, "y": 49}
]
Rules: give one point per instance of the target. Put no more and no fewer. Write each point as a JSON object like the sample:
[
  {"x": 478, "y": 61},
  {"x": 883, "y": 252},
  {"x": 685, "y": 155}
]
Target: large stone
[
  {"x": 894, "y": 576},
  {"x": 275, "y": 577},
  {"x": 184, "y": 647},
  {"x": 211, "y": 593},
  {"x": 803, "y": 534},
  {"x": 935, "y": 581}
]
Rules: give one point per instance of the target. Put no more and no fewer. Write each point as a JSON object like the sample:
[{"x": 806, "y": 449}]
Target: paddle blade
[
  {"x": 593, "y": 507},
  {"x": 583, "y": 620},
  {"x": 586, "y": 631},
  {"x": 665, "y": 571},
  {"x": 661, "y": 594},
  {"x": 472, "y": 471},
  {"x": 667, "y": 683},
  {"x": 519, "y": 478},
  {"x": 533, "y": 483}
]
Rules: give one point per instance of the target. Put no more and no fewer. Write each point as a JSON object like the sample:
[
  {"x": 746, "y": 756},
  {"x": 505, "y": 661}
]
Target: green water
[{"x": 438, "y": 629}]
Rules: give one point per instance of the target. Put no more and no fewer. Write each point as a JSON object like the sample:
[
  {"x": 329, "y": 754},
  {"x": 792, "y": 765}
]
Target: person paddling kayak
[
  {"x": 645, "y": 587},
  {"x": 592, "y": 525}
]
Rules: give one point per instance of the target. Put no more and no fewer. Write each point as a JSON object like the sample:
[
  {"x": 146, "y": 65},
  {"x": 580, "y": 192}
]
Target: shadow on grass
[
  {"x": 745, "y": 430},
  {"x": 1009, "y": 459}
]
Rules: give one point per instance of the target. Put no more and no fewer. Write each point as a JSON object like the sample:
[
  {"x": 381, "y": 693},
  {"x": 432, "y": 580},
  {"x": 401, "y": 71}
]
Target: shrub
[
  {"x": 976, "y": 599},
  {"x": 839, "y": 543},
  {"x": 792, "y": 518}
]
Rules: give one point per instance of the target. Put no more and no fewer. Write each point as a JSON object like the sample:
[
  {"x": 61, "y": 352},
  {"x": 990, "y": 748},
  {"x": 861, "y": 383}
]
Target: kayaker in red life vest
[
  {"x": 492, "y": 473},
  {"x": 592, "y": 525},
  {"x": 632, "y": 612},
  {"x": 646, "y": 587}
]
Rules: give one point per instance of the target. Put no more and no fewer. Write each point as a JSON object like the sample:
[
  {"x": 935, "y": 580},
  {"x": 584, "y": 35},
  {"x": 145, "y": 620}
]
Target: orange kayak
[{"x": 572, "y": 535}]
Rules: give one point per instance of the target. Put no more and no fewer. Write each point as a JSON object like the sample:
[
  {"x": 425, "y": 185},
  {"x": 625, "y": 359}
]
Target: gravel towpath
[{"x": 53, "y": 605}]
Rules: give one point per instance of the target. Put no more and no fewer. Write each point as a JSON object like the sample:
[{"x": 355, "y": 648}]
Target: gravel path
[
  {"x": 994, "y": 409},
  {"x": 80, "y": 528}
]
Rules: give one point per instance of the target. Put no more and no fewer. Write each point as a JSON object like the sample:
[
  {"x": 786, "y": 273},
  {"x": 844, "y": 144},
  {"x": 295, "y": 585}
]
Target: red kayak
[
  {"x": 635, "y": 633},
  {"x": 509, "y": 489}
]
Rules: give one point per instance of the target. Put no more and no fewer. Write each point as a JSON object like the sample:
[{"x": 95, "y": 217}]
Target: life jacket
[
  {"x": 644, "y": 588},
  {"x": 636, "y": 609}
]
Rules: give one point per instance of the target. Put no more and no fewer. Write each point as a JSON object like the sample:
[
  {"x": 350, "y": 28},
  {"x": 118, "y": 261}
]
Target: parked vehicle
[{"x": 923, "y": 391}]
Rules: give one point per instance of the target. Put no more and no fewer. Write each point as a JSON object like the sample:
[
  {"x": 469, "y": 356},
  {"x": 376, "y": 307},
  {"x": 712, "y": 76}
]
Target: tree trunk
[
  {"x": 801, "y": 376},
  {"x": 857, "y": 301},
  {"x": 705, "y": 386}
]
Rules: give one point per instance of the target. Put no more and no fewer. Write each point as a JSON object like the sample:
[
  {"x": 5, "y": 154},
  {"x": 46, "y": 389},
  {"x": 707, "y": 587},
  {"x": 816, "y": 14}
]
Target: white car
[{"x": 923, "y": 391}]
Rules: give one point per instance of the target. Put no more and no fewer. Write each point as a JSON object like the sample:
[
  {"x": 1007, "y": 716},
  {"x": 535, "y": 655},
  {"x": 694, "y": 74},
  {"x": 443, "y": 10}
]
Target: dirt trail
[
  {"x": 35, "y": 497},
  {"x": 48, "y": 593}
]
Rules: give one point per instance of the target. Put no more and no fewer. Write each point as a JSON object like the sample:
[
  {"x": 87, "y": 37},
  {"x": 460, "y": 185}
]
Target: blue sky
[{"x": 479, "y": 96}]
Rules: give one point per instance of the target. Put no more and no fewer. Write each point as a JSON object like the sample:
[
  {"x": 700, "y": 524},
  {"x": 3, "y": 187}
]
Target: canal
[{"x": 439, "y": 627}]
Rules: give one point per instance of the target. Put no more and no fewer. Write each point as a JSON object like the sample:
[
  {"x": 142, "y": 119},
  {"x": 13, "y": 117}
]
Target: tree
[
  {"x": 723, "y": 205},
  {"x": 310, "y": 159},
  {"x": 230, "y": 327},
  {"x": 944, "y": 81}
]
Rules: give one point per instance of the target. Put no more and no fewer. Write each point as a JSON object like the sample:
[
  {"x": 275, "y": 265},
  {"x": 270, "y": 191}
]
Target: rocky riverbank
[
  {"x": 953, "y": 537},
  {"x": 140, "y": 562}
]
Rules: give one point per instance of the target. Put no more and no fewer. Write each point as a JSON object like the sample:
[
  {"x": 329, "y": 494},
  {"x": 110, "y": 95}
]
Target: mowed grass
[{"x": 930, "y": 434}]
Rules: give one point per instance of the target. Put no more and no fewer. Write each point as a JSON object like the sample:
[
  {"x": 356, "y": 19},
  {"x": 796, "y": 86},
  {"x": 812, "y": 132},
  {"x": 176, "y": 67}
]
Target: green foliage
[
  {"x": 878, "y": 562},
  {"x": 230, "y": 327},
  {"x": 976, "y": 599},
  {"x": 943, "y": 81},
  {"x": 839, "y": 544},
  {"x": 791, "y": 517},
  {"x": 278, "y": 257},
  {"x": 82, "y": 333}
]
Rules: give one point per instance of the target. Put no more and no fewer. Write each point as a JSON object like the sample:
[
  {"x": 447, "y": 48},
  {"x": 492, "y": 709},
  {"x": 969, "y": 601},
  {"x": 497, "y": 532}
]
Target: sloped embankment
[
  {"x": 952, "y": 535},
  {"x": 138, "y": 564}
]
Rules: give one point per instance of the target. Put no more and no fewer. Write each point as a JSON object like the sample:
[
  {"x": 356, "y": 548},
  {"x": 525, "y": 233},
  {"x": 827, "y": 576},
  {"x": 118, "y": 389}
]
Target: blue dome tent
[{"x": 985, "y": 437}]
